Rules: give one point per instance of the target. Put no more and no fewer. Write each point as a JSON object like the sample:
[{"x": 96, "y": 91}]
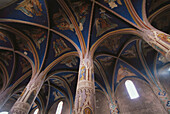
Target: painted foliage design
[
  {"x": 62, "y": 22},
  {"x": 30, "y": 7},
  {"x": 38, "y": 35},
  {"x": 80, "y": 9},
  {"x": 113, "y": 3},
  {"x": 60, "y": 47},
  {"x": 123, "y": 72},
  {"x": 103, "y": 23}
]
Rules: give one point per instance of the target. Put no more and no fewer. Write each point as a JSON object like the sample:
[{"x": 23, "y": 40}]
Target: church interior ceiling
[{"x": 51, "y": 35}]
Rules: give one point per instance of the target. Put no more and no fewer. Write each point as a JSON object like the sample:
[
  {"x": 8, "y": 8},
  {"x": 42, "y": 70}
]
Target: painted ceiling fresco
[{"x": 52, "y": 35}]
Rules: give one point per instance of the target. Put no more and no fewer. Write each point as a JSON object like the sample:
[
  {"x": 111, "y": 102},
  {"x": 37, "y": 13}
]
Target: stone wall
[
  {"x": 147, "y": 103},
  {"x": 102, "y": 103}
]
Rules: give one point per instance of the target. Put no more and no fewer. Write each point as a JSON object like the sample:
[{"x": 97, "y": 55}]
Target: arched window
[
  {"x": 3, "y": 112},
  {"x": 131, "y": 89},
  {"x": 36, "y": 111},
  {"x": 59, "y": 107}
]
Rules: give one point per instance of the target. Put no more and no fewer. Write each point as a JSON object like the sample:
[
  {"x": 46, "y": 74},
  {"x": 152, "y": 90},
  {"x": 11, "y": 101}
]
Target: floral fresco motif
[
  {"x": 2, "y": 36},
  {"x": 38, "y": 36},
  {"x": 30, "y": 7},
  {"x": 103, "y": 23},
  {"x": 60, "y": 47},
  {"x": 123, "y": 72},
  {"x": 70, "y": 61},
  {"x": 81, "y": 10},
  {"x": 62, "y": 22},
  {"x": 130, "y": 53},
  {"x": 112, "y": 43},
  {"x": 25, "y": 65},
  {"x": 112, "y": 3}
]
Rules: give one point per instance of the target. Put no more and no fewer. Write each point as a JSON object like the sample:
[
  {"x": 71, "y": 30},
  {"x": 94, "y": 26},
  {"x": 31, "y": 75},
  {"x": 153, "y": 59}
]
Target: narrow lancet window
[
  {"x": 59, "y": 107},
  {"x": 131, "y": 89}
]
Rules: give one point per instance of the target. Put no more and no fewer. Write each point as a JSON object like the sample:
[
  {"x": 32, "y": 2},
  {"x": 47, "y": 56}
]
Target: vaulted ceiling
[{"x": 53, "y": 35}]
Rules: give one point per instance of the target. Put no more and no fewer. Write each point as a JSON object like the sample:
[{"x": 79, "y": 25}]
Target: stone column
[
  {"x": 160, "y": 41},
  {"x": 4, "y": 96},
  {"x": 113, "y": 107},
  {"x": 26, "y": 99},
  {"x": 85, "y": 93}
]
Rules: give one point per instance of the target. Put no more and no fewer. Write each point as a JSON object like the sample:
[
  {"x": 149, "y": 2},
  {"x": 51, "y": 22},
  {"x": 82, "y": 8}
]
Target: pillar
[
  {"x": 160, "y": 41},
  {"x": 113, "y": 107},
  {"x": 4, "y": 96},
  {"x": 85, "y": 93},
  {"x": 26, "y": 99}
]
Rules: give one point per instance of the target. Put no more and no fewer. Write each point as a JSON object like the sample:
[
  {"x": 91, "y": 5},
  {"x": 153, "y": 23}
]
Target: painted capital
[
  {"x": 85, "y": 93},
  {"x": 158, "y": 40}
]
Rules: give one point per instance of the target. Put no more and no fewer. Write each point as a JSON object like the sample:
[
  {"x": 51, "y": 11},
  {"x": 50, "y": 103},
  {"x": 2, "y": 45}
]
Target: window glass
[
  {"x": 3, "y": 112},
  {"x": 36, "y": 111},
  {"x": 59, "y": 107},
  {"x": 131, "y": 89}
]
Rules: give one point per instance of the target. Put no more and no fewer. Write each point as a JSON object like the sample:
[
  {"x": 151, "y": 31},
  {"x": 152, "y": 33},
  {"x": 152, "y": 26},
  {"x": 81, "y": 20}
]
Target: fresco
[
  {"x": 83, "y": 73},
  {"x": 62, "y": 22},
  {"x": 30, "y": 7},
  {"x": 80, "y": 9},
  {"x": 130, "y": 53},
  {"x": 59, "y": 47},
  {"x": 124, "y": 72},
  {"x": 57, "y": 95},
  {"x": 119, "y": 7},
  {"x": 87, "y": 111},
  {"x": 37, "y": 34},
  {"x": 6, "y": 57},
  {"x": 113, "y": 3},
  {"x": 103, "y": 23},
  {"x": 112, "y": 43},
  {"x": 70, "y": 78},
  {"x": 4, "y": 41},
  {"x": 70, "y": 61},
  {"x": 25, "y": 65},
  {"x": 164, "y": 37}
]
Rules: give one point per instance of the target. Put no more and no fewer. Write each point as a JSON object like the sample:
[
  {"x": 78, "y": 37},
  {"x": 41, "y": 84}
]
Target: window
[
  {"x": 3, "y": 112},
  {"x": 131, "y": 89},
  {"x": 59, "y": 107},
  {"x": 36, "y": 111}
]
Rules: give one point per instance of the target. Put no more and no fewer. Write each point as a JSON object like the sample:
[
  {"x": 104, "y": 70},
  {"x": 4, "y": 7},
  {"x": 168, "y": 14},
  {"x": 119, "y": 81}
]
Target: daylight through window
[{"x": 131, "y": 89}]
